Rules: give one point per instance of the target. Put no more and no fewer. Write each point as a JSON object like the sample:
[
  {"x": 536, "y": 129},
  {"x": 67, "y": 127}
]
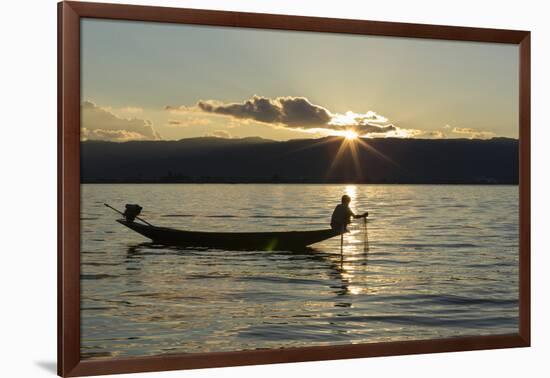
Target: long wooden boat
[{"x": 231, "y": 240}]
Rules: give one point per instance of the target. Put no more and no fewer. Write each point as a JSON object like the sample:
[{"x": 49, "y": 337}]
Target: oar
[
  {"x": 342, "y": 242},
  {"x": 121, "y": 213},
  {"x": 366, "y": 234},
  {"x": 342, "y": 247}
]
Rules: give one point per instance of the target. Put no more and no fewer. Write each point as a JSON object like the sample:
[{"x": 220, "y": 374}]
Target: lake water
[{"x": 442, "y": 261}]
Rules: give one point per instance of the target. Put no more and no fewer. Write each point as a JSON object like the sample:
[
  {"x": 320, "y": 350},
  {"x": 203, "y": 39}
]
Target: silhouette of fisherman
[{"x": 341, "y": 216}]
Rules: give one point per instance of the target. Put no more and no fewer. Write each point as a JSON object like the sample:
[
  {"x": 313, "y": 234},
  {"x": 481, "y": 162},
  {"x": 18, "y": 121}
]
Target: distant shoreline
[
  {"x": 295, "y": 183},
  {"x": 325, "y": 161}
]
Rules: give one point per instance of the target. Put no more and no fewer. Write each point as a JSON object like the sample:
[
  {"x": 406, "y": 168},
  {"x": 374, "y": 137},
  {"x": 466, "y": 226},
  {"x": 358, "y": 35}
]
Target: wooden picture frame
[{"x": 69, "y": 17}]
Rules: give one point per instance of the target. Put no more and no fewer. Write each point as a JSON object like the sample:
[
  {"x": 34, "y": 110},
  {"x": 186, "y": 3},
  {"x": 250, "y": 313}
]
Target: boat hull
[{"x": 231, "y": 240}]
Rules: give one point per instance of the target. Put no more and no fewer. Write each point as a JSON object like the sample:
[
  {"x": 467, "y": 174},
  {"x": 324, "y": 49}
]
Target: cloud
[
  {"x": 473, "y": 133},
  {"x": 220, "y": 134},
  {"x": 292, "y": 113},
  {"x": 289, "y": 111},
  {"x": 434, "y": 134},
  {"x": 131, "y": 109},
  {"x": 110, "y": 135},
  {"x": 180, "y": 109},
  {"x": 99, "y": 123},
  {"x": 196, "y": 121},
  {"x": 350, "y": 117},
  {"x": 126, "y": 109}
]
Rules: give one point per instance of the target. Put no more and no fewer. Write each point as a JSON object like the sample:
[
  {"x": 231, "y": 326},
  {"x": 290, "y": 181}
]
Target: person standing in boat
[{"x": 341, "y": 216}]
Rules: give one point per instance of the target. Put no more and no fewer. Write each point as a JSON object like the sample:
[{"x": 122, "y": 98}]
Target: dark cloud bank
[{"x": 291, "y": 112}]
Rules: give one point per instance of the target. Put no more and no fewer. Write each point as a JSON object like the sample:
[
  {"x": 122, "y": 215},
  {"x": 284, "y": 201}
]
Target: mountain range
[{"x": 257, "y": 160}]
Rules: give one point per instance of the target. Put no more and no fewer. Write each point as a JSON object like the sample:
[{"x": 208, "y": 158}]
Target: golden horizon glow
[
  {"x": 350, "y": 135},
  {"x": 353, "y": 143}
]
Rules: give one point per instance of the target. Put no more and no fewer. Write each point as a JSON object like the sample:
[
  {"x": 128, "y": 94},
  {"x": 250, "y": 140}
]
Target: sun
[{"x": 350, "y": 135}]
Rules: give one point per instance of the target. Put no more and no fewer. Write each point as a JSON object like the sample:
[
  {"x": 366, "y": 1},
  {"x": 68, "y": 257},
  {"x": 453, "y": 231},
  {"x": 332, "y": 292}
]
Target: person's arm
[
  {"x": 364, "y": 215},
  {"x": 357, "y": 216}
]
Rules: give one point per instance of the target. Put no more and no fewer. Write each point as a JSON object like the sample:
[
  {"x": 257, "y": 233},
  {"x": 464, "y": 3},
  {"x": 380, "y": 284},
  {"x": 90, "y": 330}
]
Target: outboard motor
[{"x": 132, "y": 211}]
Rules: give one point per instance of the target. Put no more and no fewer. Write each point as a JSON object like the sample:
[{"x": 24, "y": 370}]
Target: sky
[{"x": 153, "y": 81}]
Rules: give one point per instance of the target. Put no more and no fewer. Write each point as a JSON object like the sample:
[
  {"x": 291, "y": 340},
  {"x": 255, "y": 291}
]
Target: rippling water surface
[{"x": 442, "y": 261}]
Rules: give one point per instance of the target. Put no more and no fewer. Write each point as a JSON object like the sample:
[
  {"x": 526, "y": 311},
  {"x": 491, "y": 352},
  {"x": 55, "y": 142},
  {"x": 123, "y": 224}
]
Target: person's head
[{"x": 346, "y": 199}]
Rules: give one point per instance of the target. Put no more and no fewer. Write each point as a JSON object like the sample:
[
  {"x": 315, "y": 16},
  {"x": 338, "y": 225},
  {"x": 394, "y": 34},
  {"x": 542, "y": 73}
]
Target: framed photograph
[{"x": 239, "y": 188}]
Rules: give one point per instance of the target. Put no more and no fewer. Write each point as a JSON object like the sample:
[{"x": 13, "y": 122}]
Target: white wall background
[{"x": 28, "y": 190}]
